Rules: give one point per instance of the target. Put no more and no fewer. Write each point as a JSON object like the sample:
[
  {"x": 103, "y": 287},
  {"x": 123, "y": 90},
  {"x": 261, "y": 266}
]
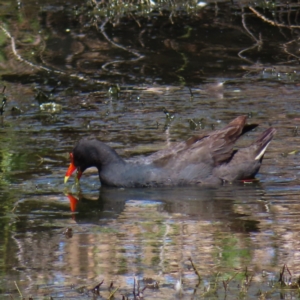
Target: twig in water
[
  {"x": 265, "y": 19},
  {"x": 281, "y": 280},
  {"x": 18, "y": 289},
  {"x": 195, "y": 269},
  {"x": 111, "y": 285},
  {"x": 192, "y": 95},
  {"x": 96, "y": 289},
  {"x": 226, "y": 283},
  {"x": 3, "y": 101},
  {"x": 112, "y": 294}
]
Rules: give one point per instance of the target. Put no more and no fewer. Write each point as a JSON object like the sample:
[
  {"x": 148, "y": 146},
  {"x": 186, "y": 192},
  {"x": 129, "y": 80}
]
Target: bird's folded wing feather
[{"x": 212, "y": 149}]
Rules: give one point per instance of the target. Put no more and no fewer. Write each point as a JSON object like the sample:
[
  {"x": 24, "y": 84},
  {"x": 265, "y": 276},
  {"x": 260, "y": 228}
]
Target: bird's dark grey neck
[
  {"x": 105, "y": 155},
  {"x": 93, "y": 153}
]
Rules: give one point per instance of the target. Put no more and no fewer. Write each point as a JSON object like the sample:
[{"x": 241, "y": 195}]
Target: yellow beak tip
[{"x": 66, "y": 179}]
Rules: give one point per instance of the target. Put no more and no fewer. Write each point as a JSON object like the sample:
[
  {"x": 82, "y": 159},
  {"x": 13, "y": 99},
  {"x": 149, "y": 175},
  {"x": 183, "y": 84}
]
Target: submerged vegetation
[
  {"x": 203, "y": 38},
  {"x": 242, "y": 284}
]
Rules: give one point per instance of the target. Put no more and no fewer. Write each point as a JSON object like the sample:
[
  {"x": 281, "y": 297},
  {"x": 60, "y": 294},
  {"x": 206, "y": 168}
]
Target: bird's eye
[{"x": 71, "y": 157}]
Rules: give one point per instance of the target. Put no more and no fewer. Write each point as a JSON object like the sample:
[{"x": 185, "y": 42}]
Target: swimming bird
[{"x": 203, "y": 159}]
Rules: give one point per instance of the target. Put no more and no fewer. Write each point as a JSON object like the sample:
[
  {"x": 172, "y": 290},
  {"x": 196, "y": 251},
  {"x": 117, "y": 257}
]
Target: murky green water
[{"x": 60, "y": 242}]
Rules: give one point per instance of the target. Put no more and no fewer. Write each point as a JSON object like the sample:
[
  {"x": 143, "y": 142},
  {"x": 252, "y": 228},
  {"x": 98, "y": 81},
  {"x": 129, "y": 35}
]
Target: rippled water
[
  {"x": 60, "y": 241},
  {"x": 121, "y": 234}
]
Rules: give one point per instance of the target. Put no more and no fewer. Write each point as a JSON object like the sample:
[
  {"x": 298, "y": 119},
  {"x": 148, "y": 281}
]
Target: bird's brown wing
[{"x": 213, "y": 148}]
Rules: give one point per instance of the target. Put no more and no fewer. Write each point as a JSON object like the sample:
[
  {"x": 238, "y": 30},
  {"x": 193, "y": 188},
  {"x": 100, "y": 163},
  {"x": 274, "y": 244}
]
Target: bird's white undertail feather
[{"x": 262, "y": 152}]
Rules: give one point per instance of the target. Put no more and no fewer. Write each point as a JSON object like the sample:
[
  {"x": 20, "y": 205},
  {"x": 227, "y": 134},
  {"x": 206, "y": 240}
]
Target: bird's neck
[{"x": 104, "y": 155}]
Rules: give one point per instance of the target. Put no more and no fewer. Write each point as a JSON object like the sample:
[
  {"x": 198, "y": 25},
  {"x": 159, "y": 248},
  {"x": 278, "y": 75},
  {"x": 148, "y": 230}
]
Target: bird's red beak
[{"x": 71, "y": 170}]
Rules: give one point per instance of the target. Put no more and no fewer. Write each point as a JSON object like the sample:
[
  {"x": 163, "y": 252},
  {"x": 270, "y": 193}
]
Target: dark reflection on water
[
  {"x": 195, "y": 203},
  {"x": 60, "y": 242}
]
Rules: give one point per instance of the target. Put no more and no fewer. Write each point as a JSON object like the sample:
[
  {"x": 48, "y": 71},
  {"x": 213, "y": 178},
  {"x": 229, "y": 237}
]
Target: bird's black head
[{"x": 90, "y": 153}]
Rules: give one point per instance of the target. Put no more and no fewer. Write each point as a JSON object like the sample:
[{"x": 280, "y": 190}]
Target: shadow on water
[{"x": 211, "y": 204}]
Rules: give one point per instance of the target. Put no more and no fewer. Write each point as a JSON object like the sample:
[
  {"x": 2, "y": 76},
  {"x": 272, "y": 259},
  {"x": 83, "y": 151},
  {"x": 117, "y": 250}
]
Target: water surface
[{"x": 61, "y": 242}]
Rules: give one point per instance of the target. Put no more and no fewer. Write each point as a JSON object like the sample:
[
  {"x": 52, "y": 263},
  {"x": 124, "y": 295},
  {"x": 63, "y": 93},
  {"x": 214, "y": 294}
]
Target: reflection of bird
[{"x": 204, "y": 159}]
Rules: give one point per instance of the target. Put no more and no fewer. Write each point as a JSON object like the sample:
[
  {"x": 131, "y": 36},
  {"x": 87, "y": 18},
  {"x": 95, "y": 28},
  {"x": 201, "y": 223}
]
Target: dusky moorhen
[{"x": 204, "y": 159}]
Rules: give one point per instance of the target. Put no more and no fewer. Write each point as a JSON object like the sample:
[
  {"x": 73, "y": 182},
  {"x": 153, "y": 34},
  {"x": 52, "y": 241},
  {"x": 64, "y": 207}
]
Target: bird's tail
[
  {"x": 245, "y": 162},
  {"x": 261, "y": 144}
]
